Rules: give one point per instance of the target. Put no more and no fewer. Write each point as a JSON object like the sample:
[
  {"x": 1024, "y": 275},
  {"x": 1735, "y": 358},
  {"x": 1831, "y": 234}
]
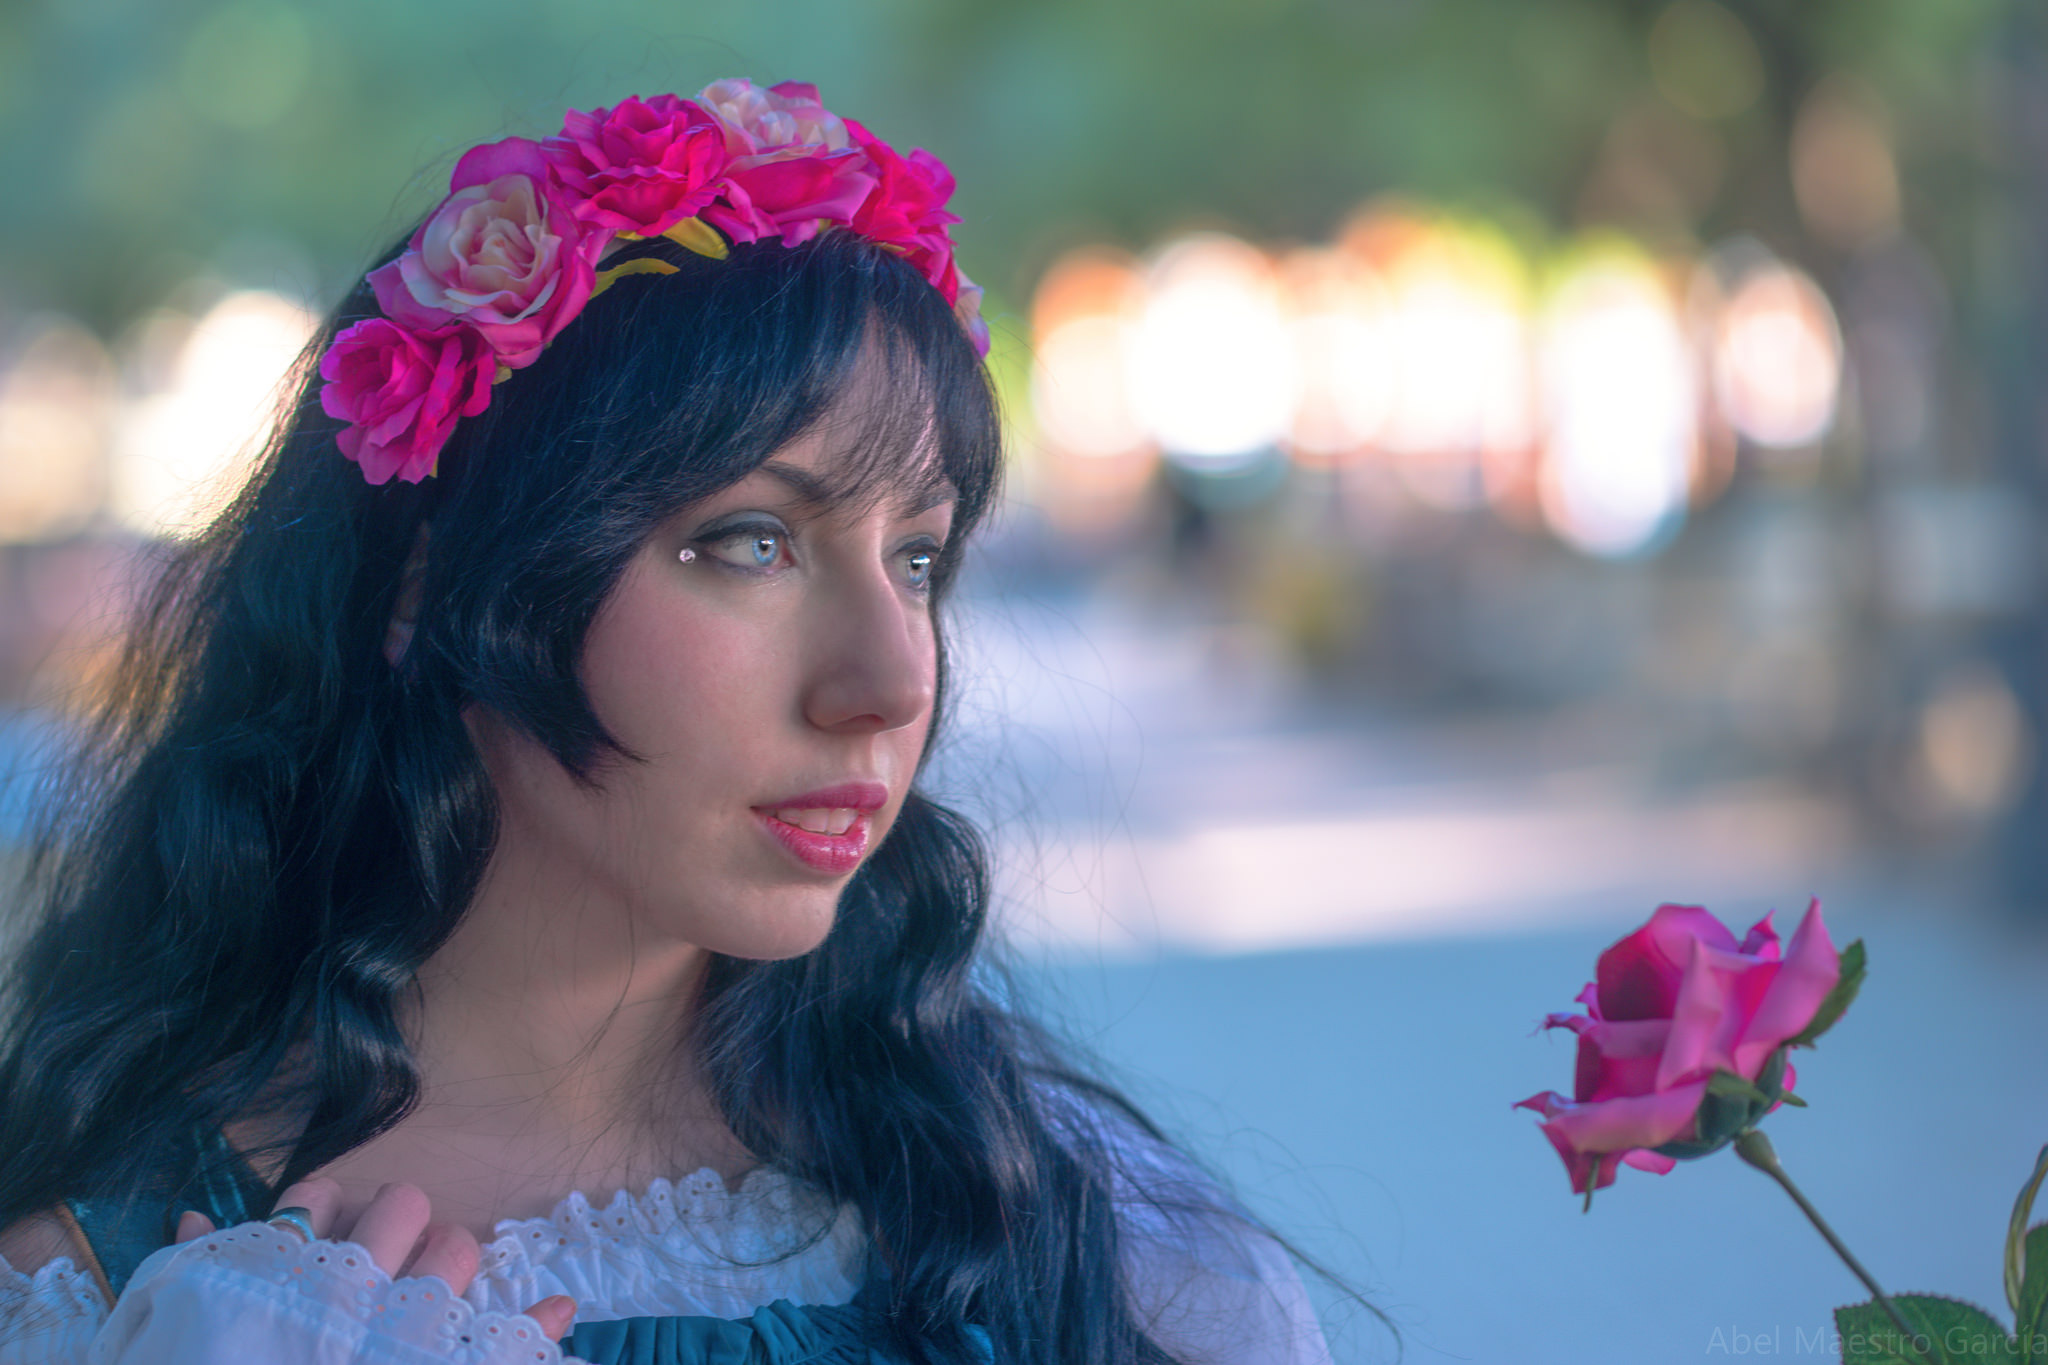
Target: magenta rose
[
  {"x": 505, "y": 253},
  {"x": 1676, "y": 1002},
  {"x": 401, "y": 392},
  {"x": 907, "y": 209},
  {"x": 641, "y": 166}
]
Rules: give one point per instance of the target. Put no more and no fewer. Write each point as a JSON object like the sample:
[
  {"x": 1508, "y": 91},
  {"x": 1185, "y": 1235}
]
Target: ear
[{"x": 405, "y": 613}]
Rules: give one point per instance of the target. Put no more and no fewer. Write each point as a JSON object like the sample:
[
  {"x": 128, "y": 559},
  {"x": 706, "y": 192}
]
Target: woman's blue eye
[
  {"x": 919, "y": 563},
  {"x": 752, "y": 548}
]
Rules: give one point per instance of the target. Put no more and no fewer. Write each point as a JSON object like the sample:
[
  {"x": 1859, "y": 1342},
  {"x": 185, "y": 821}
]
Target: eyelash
[{"x": 925, "y": 548}]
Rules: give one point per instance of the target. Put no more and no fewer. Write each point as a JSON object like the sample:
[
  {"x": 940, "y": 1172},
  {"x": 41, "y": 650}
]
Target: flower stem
[{"x": 1754, "y": 1148}]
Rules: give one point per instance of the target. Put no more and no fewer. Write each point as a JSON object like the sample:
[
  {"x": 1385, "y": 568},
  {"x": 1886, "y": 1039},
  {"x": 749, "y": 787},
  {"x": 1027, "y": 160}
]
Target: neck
[
  {"x": 554, "y": 1050},
  {"x": 549, "y": 1011}
]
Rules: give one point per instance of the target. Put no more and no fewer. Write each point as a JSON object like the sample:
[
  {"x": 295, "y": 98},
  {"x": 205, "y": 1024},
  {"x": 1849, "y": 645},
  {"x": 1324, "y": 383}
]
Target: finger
[
  {"x": 555, "y": 1314},
  {"x": 192, "y": 1223},
  {"x": 450, "y": 1252},
  {"x": 319, "y": 1197},
  {"x": 390, "y": 1227}
]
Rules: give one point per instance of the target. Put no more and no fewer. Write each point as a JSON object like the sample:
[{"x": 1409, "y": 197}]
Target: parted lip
[{"x": 860, "y": 796}]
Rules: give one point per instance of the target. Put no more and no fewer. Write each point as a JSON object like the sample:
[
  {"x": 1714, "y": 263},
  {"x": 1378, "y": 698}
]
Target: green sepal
[
  {"x": 1730, "y": 1086},
  {"x": 2030, "y": 1328},
  {"x": 1838, "y": 1000},
  {"x": 1949, "y": 1332},
  {"x": 1731, "y": 1107}
]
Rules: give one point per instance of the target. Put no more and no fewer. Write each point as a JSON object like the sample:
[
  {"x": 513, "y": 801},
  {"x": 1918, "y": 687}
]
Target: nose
[{"x": 874, "y": 661}]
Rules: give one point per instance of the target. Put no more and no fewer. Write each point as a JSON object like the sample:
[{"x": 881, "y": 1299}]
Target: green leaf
[
  {"x": 1946, "y": 1331},
  {"x": 2030, "y": 1332},
  {"x": 1838, "y": 1000}
]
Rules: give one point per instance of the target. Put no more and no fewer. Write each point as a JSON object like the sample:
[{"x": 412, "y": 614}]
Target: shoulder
[
  {"x": 1211, "y": 1283},
  {"x": 50, "y": 1301},
  {"x": 35, "y": 1241}
]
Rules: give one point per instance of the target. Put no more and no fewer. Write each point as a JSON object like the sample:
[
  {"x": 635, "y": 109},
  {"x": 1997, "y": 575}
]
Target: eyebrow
[{"x": 820, "y": 492}]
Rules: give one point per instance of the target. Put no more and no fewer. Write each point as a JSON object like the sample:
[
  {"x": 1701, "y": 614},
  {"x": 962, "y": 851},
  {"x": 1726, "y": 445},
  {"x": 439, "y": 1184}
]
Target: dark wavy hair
[{"x": 272, "y": 828}]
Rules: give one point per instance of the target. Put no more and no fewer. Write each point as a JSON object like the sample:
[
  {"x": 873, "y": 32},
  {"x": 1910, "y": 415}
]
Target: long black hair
[{"x": 273, "y": 827}]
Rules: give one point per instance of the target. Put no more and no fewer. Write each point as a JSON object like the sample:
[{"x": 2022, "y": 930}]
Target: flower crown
[{"x": 519, "y": 246}]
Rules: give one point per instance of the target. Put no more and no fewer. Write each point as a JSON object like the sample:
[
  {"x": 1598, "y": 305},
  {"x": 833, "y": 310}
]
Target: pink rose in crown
[
  {"x": 907, "y": 209},
  {"x": 641, "y": 166},
  {"x": 785, "y": 116},
  {"x": 502, "y": 254},
  {"x": 793, "y": 168},
  {"x": 1684, "y": 1040},
  {"x": 403, "y": 391}
]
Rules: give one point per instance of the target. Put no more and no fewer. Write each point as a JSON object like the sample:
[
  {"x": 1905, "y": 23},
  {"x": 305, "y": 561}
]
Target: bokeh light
[
  {"x": 1212, "y": 366},
  {"x": 1778, "y": 358},
  {"x": 1345, "y": 351},
  {"x": 1621, "y": 410},
  {"x": 1458, "y": 331},
  {"x": 183, "y": 448},
  {"x": 56, "y": 411}
]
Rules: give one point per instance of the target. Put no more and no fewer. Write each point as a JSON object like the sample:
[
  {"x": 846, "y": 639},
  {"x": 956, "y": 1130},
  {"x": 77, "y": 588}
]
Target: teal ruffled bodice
[{"x": 780, "y": 1334}]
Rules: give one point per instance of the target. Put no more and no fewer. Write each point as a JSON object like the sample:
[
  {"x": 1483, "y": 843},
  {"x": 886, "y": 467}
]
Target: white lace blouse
[{"x": 1212, "y": 1296}]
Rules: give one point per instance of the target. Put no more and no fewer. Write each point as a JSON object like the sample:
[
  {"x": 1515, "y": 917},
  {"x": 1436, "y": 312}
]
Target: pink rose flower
[
  {"x": 1674, "y": 1002},
  {"x": 793, "y": 167},
  {"x": 402, "y": 392},
  {"x": 503, "y": 254},
  {"x": 784, "y": 116},
  {"x": 907, "y": 209},
  {"x": 642, "y": 166}
]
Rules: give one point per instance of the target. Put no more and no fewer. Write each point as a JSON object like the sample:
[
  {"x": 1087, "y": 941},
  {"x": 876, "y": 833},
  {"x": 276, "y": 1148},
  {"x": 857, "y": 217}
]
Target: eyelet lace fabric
[
  {"x": 687, "y": 1247},
  {"x": 317, "y": 1301},
  {"x": 691, "y": 1247},
  {"x": 1210, "y": 1290},
  {"x": 53, "y": 1314}
]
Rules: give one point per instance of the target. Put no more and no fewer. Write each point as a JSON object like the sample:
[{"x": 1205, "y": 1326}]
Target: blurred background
[{"x": 1479, "y": 468}]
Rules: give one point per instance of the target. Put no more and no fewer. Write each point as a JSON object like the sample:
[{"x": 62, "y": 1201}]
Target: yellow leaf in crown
[
  {"x": 694, "y": 234},
  {"x": 639, "y": 265}
]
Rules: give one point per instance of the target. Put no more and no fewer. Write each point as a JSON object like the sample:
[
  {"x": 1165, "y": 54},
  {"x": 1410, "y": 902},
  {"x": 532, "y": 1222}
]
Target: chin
[{"x": 775, "y": 933}]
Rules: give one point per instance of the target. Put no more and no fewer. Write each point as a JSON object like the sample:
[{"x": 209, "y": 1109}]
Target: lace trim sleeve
[
  {"x": 48, "y": 1318},
  {"x": 255, "y": 1293}
]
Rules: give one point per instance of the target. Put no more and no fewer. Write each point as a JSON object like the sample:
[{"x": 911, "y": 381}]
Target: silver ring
[{"x": 297, "y": 1219}]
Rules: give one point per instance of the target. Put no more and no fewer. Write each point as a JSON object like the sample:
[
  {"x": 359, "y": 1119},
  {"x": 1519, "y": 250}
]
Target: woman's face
[{"x": 769, "y": 659}]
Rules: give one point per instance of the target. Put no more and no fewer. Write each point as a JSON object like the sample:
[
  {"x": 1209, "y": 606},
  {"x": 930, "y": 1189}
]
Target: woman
[{"x": 511, "y": 799}]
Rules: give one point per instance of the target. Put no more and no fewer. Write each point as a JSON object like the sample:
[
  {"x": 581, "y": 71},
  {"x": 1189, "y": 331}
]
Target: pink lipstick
[{"x": 825, "y": 830}]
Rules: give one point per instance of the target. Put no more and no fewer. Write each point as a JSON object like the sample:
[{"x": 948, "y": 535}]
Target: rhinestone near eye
[{"x": 687, "y": 555}]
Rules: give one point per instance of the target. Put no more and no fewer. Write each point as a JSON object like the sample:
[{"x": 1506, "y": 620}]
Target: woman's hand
[{"x": 397, "y": 1232}]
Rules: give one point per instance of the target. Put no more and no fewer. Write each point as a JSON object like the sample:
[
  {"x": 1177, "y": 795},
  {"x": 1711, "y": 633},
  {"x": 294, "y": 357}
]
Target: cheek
[{"x": 682, "y": 684}]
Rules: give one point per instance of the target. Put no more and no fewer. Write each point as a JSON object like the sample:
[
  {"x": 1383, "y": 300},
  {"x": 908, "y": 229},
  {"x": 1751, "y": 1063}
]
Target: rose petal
[
  {"x": 1810, "y": 970},
  {"x": 1719, "y": 996},
  {"x": 1643, "y": 1159},
  {"x": 1619, "y": 1059},
  {"x": 1762, "y": 939},
  {"x": 1619, "y": 1124},
  {"x": 1639, "y": 977}
]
